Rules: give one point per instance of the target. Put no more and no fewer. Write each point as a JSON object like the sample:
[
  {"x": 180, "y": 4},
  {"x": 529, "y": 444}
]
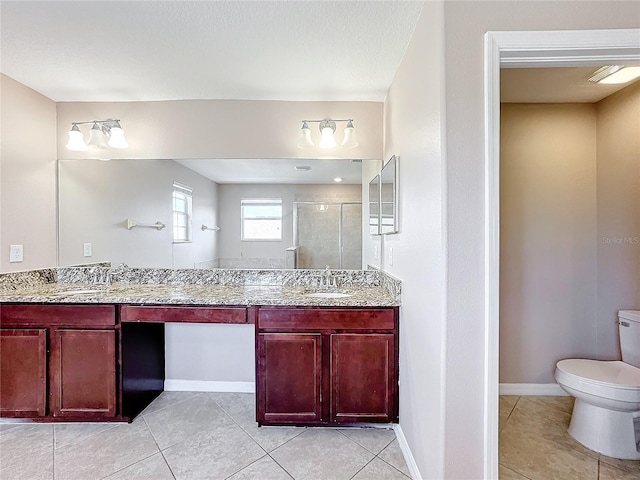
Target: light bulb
[
  {"x": 76, "y": 140},
  {"x": 305, "y": 137},
  {"x": 327, "y": 127},
  {"x": 97, "y": 138},
  {"x": 350, "y": 140},
  {"x": 117, "y": 140}
]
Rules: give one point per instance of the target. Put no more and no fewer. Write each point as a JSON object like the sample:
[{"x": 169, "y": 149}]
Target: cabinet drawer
[
  {"x": 326, "y": 318},
  {"x": 140, "y": 313},
  {"x": 56, "y": 315}
]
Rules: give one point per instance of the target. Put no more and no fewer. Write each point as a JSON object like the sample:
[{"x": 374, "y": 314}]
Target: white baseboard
[
  {"x": 406, "y": 451},
  {"x": 552, "y": 389},
  {"x": 177, "y": 385}
]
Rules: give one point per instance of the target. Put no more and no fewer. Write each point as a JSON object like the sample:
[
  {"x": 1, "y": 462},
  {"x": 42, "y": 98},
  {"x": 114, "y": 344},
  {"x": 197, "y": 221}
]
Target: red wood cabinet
[
  {"x": 362, "y": 377},
  {"x": 58, "y": 361},
  {"x": 83, "y": 373},
  {"x": 326, "y": 365},
  {"x": 292, "y": 374},
  {"x": 23, "y": 371}
]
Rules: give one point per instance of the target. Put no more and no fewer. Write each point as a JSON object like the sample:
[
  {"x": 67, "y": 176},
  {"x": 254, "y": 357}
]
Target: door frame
[{"x": 562, "y": 48}]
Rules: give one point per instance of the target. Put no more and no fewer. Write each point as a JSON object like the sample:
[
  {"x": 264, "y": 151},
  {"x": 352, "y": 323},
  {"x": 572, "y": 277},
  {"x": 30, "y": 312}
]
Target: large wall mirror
[{"x": 194, "y": 213}]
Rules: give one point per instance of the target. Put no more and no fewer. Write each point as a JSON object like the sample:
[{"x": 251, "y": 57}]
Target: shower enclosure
[{"x": 328, "y": 233}]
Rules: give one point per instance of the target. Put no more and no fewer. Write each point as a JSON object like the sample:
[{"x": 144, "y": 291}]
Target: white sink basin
[{"x": 329, "y": 295}]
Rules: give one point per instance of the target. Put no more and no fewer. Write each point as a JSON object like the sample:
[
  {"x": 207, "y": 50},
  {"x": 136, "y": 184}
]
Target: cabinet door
[
  {"x": 23, "y": 370},
  {"x": 362, "y": 373},
  {"x": 289, "y": 376},
  {"x": 83, "y": 373}
]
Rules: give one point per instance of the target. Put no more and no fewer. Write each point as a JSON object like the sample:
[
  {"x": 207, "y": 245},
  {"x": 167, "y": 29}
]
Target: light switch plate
[
  {"x": 390, "y": 256},
  {"x": 375, "y": 252},
  {"x": 16, "y": 253},
  {"x": 88, "y": 251}
]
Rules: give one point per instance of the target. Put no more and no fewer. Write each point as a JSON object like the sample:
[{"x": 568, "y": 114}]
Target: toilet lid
[{"x": 616, "y": 373}]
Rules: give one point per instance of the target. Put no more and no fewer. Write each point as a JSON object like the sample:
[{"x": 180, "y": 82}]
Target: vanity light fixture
[
  {"x": 328, "y": 129},
  {"x": 615, "y": 74},
  {"x": 103, "y": 134}
]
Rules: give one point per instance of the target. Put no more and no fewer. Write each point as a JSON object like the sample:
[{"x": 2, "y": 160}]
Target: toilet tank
[{"x": 629, "y": 326}]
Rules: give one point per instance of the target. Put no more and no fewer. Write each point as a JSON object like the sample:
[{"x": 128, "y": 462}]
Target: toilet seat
[{"x": 614, "y": 380}]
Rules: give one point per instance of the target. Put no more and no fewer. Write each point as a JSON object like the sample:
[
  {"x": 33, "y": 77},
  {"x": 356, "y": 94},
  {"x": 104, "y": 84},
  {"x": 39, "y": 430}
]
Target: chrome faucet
[{"x": 327, "y": 279}]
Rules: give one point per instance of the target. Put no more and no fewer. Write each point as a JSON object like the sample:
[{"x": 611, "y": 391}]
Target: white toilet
[{"x": 606, "y": 414}]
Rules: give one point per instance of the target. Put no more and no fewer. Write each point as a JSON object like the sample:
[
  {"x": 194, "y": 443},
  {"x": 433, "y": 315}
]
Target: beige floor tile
[
  {"x": 506, "y": 405},
  {"x": 562, "y": 403},
  {"x": 545, "y": 424},
  {"x": 508, "y": 474},
  {"x": 321, "y": 454},
  {"x": 24, "y": 438},
  {"x": 373, "y": 439},
  {"x": 31, "y": 465},
  {"x": 152, "y": 468},
  {"x": 65, "y": 433},
  {"x": 607, "y": 472},
  {"x": 264, "y": 469},
  {"x": 182, "y": 420},
  {"x": 393, "y": 456},
  {"x": 104, "y": 453},
  {"x": 632, "y": 466},
  {"x": 215, "y": 453},
  {"x": 376, "y": 469},
  {"x": 529, "y": 452},
  {"x": 241, "y": 408},
  {"x": 166, "y": 399}
]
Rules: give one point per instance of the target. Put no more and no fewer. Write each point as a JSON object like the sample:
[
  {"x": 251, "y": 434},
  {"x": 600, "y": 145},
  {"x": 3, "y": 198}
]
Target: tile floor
[
  {"x": 534, "y": 444},
  {"x": 184, "y": 435}
]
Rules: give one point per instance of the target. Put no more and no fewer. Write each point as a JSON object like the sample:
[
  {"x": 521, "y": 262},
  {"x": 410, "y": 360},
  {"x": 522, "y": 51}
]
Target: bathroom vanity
[{"x": 99, "y": 356}]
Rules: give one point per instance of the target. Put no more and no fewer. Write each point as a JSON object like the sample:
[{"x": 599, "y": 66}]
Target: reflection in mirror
[
  {"x": 320, "y": 221},
  {"x": 389, "y": 197},
  {"x": 374, "y": 206}
]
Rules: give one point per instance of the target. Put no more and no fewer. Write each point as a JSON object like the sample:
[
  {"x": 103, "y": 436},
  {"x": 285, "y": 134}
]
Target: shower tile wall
[{"x": 318, "y": 232}]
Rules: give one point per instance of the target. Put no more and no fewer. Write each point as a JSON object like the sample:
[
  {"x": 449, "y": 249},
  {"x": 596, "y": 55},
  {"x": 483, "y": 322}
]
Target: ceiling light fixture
[
  {"x": 103, "y": 134},
  {"x": 328, "y": 129},
  {"x": 337, "y": 179},
  {"x": 615, "y": 74}
]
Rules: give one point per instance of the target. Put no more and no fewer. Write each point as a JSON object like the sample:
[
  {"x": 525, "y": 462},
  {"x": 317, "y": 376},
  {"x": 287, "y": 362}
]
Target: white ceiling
[
  {"x": 254, "y": 50},
  {"x": 322, "y": 171}
]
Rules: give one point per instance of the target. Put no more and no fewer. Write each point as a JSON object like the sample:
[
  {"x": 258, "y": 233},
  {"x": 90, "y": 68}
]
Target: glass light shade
[
  {"x": 117, "y": 140},
  {"x": 623, "y": 75},
  {"x": 76, "y": 140},
  {"x": 327, "y": 138},
  {"x": 305, "y": 137},
  {"x": 97, "y": 138},
  {"x": 350, "y": 140}
]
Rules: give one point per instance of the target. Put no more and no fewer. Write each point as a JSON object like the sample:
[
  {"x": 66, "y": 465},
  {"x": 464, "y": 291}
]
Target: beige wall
[
  {"x": 96, "y": 199},
  {"x": 548, "y": 238},
  {"x": 224, "y": 128},
  {"x": 570, "y": 231},
  {"x": 28, "y": 182},
  {"x": 618, "y": 145},
  {"x": 413, "y": 131},
  {"x": 465, "y": 24}
]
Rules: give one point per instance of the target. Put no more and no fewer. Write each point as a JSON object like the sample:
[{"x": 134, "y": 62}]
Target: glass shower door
[{"x": 328, "y": 234}]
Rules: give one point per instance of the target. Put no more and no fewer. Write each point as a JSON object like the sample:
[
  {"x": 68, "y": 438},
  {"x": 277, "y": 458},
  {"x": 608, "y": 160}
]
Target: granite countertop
[{"x": 361, "y": 296}]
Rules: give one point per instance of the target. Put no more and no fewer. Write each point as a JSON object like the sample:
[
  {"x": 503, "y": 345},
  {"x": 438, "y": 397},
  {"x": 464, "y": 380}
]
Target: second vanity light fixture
[
  {"x": 327, "y": 129},
  {"x": 103, "y": 134}
]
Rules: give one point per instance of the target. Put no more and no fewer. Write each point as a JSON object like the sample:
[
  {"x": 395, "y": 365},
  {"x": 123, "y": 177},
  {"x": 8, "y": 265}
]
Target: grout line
[
  {"x": 158, "y": 446},
  {"x": 142, "y": 414},
  {"x": 363, "y": 467},
  {"x": 342, "y": 431},
  {"x": 515, "y": 471},
  {"x": 285, "y": 470},
  {"x": 392, "y": 466},
  {"x": 246, "y": 466}
]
